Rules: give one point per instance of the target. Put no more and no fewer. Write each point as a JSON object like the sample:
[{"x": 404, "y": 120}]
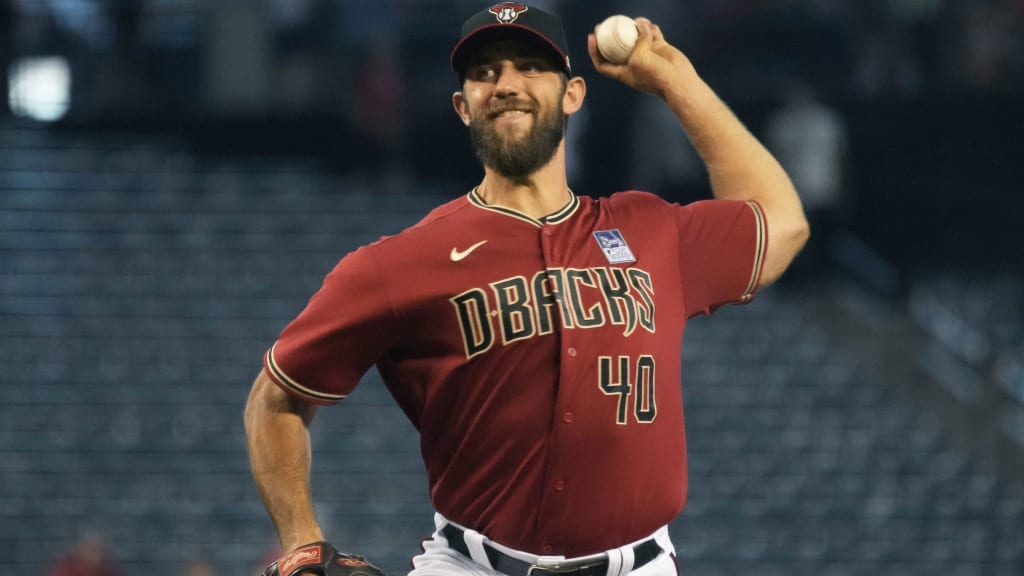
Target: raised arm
[
  {"x": 276, "y": 427},
  {"x": 739, "y": 166}
]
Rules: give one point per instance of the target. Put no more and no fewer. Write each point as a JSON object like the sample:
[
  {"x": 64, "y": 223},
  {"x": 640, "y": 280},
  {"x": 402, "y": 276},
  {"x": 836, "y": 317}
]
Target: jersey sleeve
[
  {"x": 722, "y": 250},
  {"x": 320, "y": 356}
]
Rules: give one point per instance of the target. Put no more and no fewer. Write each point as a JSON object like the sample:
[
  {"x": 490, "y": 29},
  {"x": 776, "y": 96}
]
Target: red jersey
[{"x": 538, "y": 359}]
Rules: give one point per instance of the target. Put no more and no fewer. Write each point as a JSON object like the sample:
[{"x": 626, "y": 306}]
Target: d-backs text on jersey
[{"x": 517, "y": 307}]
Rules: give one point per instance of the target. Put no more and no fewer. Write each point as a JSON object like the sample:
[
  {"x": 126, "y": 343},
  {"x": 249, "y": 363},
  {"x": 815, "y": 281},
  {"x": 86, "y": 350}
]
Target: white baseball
[{"x": 616, "y": 37}]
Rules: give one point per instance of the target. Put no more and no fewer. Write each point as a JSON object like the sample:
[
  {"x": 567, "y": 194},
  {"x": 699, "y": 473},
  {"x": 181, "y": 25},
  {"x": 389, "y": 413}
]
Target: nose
[{"x": 510, "y": 79}]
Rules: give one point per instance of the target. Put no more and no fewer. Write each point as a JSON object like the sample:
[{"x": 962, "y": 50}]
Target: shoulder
[
  {"x": 422, "y": 245},
  {"x": 404, "y": 254},
  {"x": 651, "y": 208},
  {"x": 636, "y": 197},
  {"x": 637, "y": 204},
  {"x": 631, "y": 200},
  {"x": 443, "y": 213},
  {"x": 437, "y": 224}
]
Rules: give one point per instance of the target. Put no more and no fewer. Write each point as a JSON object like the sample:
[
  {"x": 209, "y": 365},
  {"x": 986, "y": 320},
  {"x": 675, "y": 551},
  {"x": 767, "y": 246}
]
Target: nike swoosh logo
[{"x": 458, "y": 255}]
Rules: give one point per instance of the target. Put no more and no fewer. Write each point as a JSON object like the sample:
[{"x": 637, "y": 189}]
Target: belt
[{"x": 643, "y": 553}]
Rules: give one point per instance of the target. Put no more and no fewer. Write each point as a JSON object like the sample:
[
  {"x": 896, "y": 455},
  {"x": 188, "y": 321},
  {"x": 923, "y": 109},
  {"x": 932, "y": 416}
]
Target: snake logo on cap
[{"x": 507, "y": 12}]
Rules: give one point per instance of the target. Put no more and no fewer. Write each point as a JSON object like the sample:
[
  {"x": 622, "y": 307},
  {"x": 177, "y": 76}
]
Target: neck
[{"x": 536, "y": 195}]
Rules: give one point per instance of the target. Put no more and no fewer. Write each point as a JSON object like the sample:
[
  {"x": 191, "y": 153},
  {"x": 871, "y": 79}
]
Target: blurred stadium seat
[
  {"x": 142, "y": 284},
  {"x": 152, "y": 245}
]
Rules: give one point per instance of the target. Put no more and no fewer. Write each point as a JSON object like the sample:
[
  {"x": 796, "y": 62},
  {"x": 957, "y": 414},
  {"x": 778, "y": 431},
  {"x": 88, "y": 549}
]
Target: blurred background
[{"x": 176, "y": 177}]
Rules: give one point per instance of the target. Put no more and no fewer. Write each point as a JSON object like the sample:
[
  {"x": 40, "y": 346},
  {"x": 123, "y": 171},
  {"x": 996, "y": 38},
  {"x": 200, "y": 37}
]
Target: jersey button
[
  {"x": 559, "y": 486},
  {"x": 572, "y": 352},
  {"x": 548, "y": 232},
  {"x": 547, "y": 549},
  {"x": 568, "y": 417}
]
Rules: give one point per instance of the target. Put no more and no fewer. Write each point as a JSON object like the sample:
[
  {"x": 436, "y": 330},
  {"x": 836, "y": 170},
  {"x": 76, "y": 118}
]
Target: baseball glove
[{"x": 322, "y": 559}]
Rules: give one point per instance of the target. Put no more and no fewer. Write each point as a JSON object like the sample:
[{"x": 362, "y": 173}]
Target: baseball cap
[{"x": 509, "y": 19}]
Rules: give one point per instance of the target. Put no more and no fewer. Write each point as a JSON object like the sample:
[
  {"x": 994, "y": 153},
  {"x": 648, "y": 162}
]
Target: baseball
[{"x": 616, "y": 37}]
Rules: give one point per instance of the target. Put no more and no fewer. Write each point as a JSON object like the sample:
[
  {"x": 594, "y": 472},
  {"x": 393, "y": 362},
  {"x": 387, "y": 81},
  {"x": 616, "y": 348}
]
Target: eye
[
  {"x": 481, "y": 73},
  {"x": 532, "y": 66}
]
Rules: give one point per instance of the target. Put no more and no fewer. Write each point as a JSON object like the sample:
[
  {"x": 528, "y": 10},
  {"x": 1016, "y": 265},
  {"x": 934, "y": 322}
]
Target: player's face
[{"x": 512, "y": 97}]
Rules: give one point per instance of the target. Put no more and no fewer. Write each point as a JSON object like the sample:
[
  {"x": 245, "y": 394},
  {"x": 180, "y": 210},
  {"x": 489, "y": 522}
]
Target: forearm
[
  {"x": 739, "y": 166},
  {"x": 280, "y": 457}
]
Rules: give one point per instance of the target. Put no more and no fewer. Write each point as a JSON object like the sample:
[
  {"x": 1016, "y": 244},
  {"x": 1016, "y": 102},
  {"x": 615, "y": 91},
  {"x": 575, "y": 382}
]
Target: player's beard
[{"x": 517, "y": 157}]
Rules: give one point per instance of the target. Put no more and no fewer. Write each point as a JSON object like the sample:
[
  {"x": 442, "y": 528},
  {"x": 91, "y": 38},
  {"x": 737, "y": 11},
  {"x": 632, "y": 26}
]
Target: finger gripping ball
[{"x": 616, "y": 37}]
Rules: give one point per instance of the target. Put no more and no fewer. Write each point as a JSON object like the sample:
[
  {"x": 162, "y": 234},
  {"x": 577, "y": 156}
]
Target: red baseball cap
[{"x": 509, "y": 19}]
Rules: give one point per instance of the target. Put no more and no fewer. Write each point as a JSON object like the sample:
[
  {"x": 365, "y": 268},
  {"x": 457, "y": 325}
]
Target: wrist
[{"x": 300, "y": 539}]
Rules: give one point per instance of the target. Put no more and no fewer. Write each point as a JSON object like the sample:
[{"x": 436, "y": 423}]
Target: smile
[{"x": 513, "y": 113}]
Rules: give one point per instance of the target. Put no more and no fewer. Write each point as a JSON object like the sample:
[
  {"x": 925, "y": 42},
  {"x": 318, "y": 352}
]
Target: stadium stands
[{"x": 141, "y": 284}]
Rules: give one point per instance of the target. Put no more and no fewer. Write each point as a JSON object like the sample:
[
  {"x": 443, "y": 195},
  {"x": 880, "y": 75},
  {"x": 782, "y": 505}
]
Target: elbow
[
  {"x": 790, "y": 235},
  {"x": 796, "y": 236},
  {"x": 258, "y": 404},
  {"x": 250, "y": 415},
  {"x": 801, "y": 233},
  {"x": 786, "y": 241},
  {"x": 267, "y": 400}
]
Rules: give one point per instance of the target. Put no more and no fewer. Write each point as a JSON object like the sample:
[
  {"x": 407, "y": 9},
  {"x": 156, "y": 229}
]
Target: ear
[
  {"x": 461, "y": 108},
  {"x": 575, "y": 92}
]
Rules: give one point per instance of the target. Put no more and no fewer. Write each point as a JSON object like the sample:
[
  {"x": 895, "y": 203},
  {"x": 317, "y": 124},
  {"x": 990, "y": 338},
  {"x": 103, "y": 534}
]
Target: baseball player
[{"x": 532, "y": 334}]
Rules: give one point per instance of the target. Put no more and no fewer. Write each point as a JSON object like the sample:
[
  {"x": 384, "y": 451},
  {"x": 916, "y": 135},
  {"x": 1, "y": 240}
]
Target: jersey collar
[{"x": 557, "y": 217}]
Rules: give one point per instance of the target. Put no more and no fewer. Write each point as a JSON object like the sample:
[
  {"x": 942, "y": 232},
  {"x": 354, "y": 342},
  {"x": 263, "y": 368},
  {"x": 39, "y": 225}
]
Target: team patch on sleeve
[
  {"x": 760, "y": 249},
  {"x": 289, "y": 384}
]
